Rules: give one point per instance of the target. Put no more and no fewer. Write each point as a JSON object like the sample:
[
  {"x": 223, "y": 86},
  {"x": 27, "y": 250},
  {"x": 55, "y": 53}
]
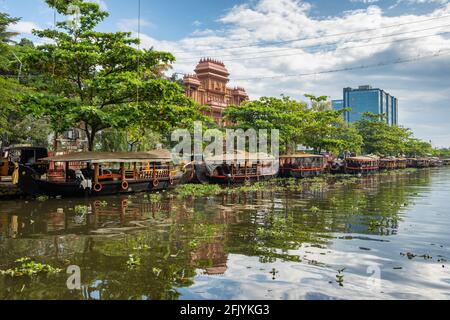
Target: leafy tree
[
  {"x": 319, "y": 103},
  {"x": 417, "y": 148},
  {"x": 18, "y": 127},
  {"x": 288, "y": 116},
  {"x": 381, "y": 138},
  {"x": 5, "y": 38},
  {"x": 111, "y": 84},
  {"x": 327, "y": 131}
]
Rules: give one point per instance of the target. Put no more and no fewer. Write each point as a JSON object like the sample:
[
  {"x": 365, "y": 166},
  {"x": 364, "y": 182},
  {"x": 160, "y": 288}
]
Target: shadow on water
[{"x": 184, "y": 246}]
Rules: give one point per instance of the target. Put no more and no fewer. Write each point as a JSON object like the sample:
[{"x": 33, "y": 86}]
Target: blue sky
[{"x": 197, "y": 28}]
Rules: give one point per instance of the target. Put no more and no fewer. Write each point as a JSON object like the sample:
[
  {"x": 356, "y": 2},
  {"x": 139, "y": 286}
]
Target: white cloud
[
  {"x": 420, "y": 86},
  {"x": 132, "y": 24},
  {"x": 23, "y": 27},
  {"x": 365, "y": 1}
]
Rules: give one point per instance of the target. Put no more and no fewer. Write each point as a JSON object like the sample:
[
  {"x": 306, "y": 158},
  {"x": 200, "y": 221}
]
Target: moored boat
[
  {"x": 436, "y": 162},
  {"x": 240, "y": 167},
  {"x": 388, "y": 164},
  {"x": 361, "y": 165},
  {"x": 100, "y": 173},
  {"x": 24, "y": 155},
  {"x": 401, "y": 163},
  {"x": 418, "y": 162},
  {"x": 302, "y": 165}
]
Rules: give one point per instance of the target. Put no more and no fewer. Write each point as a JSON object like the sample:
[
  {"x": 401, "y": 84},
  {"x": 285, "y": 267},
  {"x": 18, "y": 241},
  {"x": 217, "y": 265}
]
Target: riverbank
[
  {"x": 8, "y": 191},
  {"x": 322, "y": 182}
]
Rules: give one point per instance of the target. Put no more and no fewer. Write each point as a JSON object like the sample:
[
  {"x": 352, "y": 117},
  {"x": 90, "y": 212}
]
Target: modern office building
[{"x": 368, "y": 99}]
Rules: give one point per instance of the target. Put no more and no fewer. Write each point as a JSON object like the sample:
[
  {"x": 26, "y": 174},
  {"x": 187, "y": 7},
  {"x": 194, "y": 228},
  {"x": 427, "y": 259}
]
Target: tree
[
  {"x": 5, "y": 38},
  {"x": 288, "y": 116},
  {"x": 327, "y": 131},
  {"x": 380, "y": 138},
  {"x": 17, "y": 127},
  {"x": 418, "y": 148},
  {"x": 110, "y": 83},
  {"x": 319, "y": 103}
]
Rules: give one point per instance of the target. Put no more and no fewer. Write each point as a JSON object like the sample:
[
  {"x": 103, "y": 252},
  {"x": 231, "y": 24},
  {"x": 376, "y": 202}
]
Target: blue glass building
[{"x": 367, "y": 99}]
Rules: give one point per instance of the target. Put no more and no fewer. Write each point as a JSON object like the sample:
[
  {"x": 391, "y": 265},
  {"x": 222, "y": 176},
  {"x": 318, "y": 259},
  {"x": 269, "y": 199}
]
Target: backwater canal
[{"x": 385, "y": 236}]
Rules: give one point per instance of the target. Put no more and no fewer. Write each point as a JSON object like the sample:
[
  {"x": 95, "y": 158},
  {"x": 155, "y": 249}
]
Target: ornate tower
[{"x": 208, "y": 86}]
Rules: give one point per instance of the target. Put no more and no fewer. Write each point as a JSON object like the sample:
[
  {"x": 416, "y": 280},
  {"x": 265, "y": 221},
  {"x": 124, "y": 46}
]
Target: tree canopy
[{"x": 102, "y": 78}]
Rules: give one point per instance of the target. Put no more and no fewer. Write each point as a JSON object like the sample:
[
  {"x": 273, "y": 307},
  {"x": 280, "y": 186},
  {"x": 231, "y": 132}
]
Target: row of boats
[{"x": 99, "y": 173}]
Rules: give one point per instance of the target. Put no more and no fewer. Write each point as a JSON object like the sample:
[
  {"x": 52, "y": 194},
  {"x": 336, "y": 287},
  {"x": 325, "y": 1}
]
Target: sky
[{"x": 401, "y": 46}]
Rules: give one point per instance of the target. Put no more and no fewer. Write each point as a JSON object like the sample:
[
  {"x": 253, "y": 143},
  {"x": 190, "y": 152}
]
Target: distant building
[
  {"x": 208, "y": 86},
  {"x": 368, "y": 99},
  {"x": 337, "y": 104}
]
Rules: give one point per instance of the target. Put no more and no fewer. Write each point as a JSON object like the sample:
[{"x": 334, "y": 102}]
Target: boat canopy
[
  {"x": 302, "y": 155},
  {"x": 113, "y": 157},
  {"x": 363, "y": 159},
  {"x": 240, "y": 156}
]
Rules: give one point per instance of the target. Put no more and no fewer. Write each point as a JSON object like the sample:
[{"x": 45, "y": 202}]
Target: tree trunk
[{"x": 90, "y": 137}]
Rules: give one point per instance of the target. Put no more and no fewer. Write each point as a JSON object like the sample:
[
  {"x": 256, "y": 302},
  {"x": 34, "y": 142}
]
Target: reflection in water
[{"x": 235, "y": 245}]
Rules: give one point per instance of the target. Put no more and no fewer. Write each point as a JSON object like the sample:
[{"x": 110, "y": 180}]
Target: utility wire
[
  {"x": 342, "y": 48},
  {"x": 316, "y": 46},
  {"x": 257, "y": 44},
  {"x": 379, "y": 64}
]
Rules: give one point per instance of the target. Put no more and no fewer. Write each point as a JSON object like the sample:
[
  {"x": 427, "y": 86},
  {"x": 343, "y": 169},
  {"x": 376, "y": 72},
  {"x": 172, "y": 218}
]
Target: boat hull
[
  {"x": 30, "y": 184},
  {"x": 299, "y": 173}
]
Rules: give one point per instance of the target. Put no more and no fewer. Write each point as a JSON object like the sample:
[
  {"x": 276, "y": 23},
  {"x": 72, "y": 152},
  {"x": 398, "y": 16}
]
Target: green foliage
[
  {"x": 197, "y": 190},
  {"x": 317, "y": 127},
  {"x": 101, "y": 80},
  {"x": 382, "y": 139},
  {"x": 442, "y": 153},
  {"x": 30, "y": 268},
  {"x": 133, "y": 261},
  {"x": 81, "y": 209},
  {"x": 284, "y": 114},
  {"x": 5, "y": 38}
]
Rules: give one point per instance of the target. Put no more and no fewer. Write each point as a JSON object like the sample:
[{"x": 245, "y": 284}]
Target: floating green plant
[
  {"x": 81, "y": 210},
  {"x": 30, "y": 268},
  {"x": 42, "y": 198},
  {"x": 133, "y": 261},
  {"x": 153, "y": 197}
]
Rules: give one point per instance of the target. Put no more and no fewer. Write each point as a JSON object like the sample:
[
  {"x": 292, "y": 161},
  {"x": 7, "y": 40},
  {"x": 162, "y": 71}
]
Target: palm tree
[{"x": 5, "y": 21}]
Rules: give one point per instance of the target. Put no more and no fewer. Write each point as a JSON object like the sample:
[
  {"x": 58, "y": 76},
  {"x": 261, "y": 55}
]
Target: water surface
[{"x": 388, "y": 233}]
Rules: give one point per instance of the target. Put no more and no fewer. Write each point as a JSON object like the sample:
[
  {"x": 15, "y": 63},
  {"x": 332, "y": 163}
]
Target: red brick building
[{"x": 208, "y": 86}]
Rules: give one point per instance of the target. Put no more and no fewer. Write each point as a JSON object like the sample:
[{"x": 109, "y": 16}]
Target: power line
[
  {"x": 257, "y": 44},
  {"x": 342, "y": 48},
  {"x": 379, "y": 64},
  {"x": 317, "y": 45}
]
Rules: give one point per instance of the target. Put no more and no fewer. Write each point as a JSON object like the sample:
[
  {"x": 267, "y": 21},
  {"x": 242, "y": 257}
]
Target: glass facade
[{"x": 367, "y": 99}]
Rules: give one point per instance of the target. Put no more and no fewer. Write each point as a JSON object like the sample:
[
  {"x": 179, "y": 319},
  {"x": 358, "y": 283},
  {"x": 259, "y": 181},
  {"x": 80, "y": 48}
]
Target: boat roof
[
  {"x": 302, "y": 155},
  {"x": 241, "y": 156},
  {"x": 116, "y": 157},
  {"x": 363, "y": 158}
]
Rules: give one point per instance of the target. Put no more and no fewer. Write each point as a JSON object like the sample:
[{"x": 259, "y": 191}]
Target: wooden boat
[
  {"x": 361, "y": 165},
  {"x": 302, "y": 165},
  {"x": 436, "y": 162},
  {"x": 401, "y": 163},
  {"x": 388, "y": 164},
  {"x": 418, "y": 162},
  {"x": 98, "y": 173},
  {"x": 25, "y": 155},
  {"x": 240, "y": 167}
]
